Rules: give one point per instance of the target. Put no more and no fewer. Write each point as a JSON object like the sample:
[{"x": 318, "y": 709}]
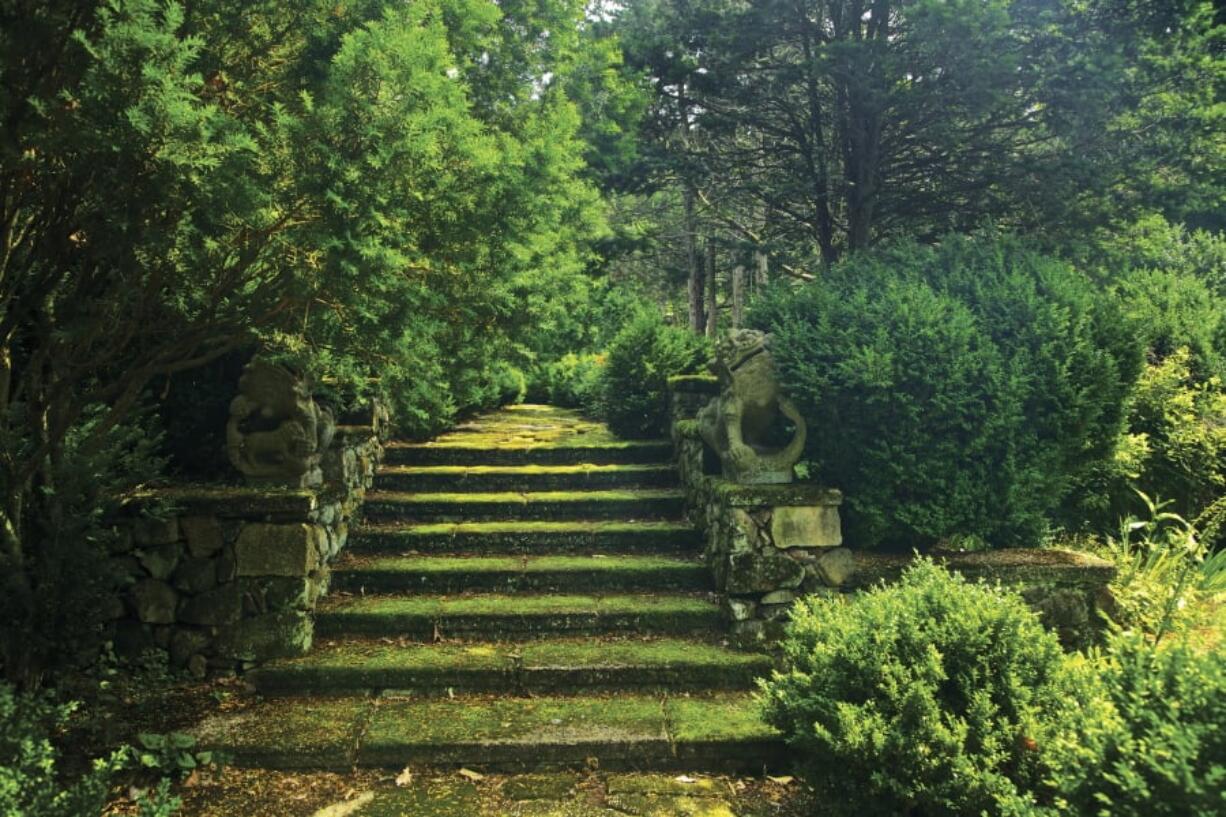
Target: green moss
[
  {"x": 436, "y": 797},
  {"x": 664, "y": 784},
  {"x": 527, "y": 470},
  {"x": 688, "y": 429},
  {"x": 704, "y": 383},
  {"x": 512, "y": 497},
  {"x": 662, "y": 652},
  {"x": 286, "y": 734},
  {"x": 721, "y": 717},
  {"x": 478, "y": 730},
  {"x": 428, "y": 565},
  {"x": 738, "y": 495},
  {"x": 624, "y": 564}
]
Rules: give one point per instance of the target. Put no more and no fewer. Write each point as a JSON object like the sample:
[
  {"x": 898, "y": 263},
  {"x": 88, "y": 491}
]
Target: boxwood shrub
[{"x": 953, "y": 391}]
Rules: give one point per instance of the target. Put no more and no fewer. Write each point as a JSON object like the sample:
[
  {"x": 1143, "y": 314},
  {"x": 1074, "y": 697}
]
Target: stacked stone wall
[
  {"x": 768, "y": 544},
  {"x": 225, "y": 577}
]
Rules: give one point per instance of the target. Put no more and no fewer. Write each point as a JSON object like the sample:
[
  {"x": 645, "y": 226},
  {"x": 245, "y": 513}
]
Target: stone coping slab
[
  {"x": 1015, "y": 565},
  {"x": 232, "y": 501},
  {"x": 736, "y": 495}
]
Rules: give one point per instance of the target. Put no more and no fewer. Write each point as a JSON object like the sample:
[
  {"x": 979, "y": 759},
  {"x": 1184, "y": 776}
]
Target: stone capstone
[
  {"x": 836, "y": 567},
  {"x": 273, "y": 635},
  {"x": 812, "y": 526},
  {"x": 278, "y": 550},
  {"x": 154, "y": 601},
  {"x": 214, "y": 608},
  {"x": 761, "y": 572},
  {"x": 203, "y": 534}
]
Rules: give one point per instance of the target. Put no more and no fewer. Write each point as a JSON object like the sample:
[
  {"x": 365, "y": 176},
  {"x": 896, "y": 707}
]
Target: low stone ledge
[
  {"x": 793, "y": 494},
  {"x": 231, "y": 501},
  {"x": 1009, "y": 566}
]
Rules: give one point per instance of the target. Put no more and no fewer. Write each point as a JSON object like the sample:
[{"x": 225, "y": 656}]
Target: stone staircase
[{"x": 524, "y": 594}]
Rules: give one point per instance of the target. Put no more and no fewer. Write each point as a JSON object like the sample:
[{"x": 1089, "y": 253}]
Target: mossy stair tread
[
  {"x": 527, "y": 536},
  {"x": 533, "y": 614},
  {"x": 518, "y": 605},
  {"x": 579, "y": 469},
  {"x": 509, "y": 666},
  {"x": 477, "y": 564},
  {"x": 576, "y": 527},
  {"x": 460, "y": 499},
  {"x": 474, "y": 731}
]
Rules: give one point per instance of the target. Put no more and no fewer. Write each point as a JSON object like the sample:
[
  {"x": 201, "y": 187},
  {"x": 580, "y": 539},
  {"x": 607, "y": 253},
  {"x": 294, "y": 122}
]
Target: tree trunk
[
  {"x": 697, "y": 316},
  {"x": 738, "y": 295},
  {"x": 712, "y": 292}
]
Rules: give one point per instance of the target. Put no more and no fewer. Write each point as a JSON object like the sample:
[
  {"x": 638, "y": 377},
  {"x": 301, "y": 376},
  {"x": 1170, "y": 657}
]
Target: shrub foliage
[
  {"x": 935, "y": 697},
  {"x": 634, "y": 383},
  {"x": 956, "y": 390}
]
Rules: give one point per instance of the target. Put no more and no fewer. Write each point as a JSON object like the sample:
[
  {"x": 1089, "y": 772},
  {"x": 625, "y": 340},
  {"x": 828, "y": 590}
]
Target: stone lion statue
[
  {"x": 737, "y": 423},
  {"x": 277, "y": 434}
]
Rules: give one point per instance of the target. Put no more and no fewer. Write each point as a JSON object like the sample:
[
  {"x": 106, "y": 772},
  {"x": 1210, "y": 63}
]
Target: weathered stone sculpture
[
  {"x": 737, "y": 423},
  {"x": 277, "y": 434}
]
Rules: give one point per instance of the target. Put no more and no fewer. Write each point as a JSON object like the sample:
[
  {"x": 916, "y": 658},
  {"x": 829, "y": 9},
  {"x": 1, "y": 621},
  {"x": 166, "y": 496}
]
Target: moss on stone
[
  {"x": 721, "y": 717},
  {"x": 517, "y": 498},
  {"x": 737, "y": 495},
  {"x": 288, "y": 734},
  {"x": 528, "y": 732},
  {"x": 437, "y": 797}
]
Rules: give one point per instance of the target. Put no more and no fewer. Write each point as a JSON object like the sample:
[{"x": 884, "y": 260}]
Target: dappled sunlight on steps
[{"x": 525, "y": 594}]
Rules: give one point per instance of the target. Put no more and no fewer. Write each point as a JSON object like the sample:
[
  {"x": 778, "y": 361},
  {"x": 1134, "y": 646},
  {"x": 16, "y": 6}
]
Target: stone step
[
  {"x": 458, "y": 574},
  {"x": 454, "y": 450},
  {"x": 532, "y": 667},
  {"x": 491, "y": 616},
  {"x": 708, "y": 732},
  {"x": 585, "y": 477},
  {"x": 567, "y": 536},
  {"x": 644, "y": 503}
]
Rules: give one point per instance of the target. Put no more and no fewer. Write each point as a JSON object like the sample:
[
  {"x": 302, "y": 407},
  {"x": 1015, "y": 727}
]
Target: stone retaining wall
[
  {"x": 768, "y": 544},
  {"x": 224, "y": 577}
]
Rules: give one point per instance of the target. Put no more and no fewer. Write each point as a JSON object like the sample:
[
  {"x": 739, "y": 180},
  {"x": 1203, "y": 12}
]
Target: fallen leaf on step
[
  {"x": 783, "y": 780},
  {"x": 469, "y": 774},
  {"x": 685, "y": 778},
  {"x": 404, "y": 778}
]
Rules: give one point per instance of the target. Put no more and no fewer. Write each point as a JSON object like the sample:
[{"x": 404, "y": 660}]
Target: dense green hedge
[
  {"x": 634, "y": 381},
  {"x": 953, "y": 391}
]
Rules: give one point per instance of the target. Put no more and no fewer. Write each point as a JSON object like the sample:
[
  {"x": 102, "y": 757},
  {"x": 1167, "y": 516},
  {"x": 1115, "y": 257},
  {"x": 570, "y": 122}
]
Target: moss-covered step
[
  {"x": 643, "y": 503},
  {"x": 719, "y": 731},
  {"x": 458, "y": 574},
  {"x": 532, "y": 667},
  {"x": 524, "y": 734},
  {"x": 492, "y": 616},
  {"x": 480, "y": 451},
  {"x": 307, "y": 733},
  {"x": 585, "y": 476},
  {"x": 572, "y": 535},
  {"x": 710, "y": 730}
]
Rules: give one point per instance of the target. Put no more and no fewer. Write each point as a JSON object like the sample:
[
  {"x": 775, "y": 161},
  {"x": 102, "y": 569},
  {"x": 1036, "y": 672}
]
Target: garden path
[{"x": 524, "y": 594}]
